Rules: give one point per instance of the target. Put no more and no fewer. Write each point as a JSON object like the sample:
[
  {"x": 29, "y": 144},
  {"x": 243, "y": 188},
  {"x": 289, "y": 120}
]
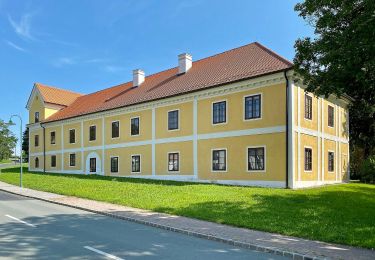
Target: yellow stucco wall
[
  {"x": 125, "y": 165},
  {"x": 185, "y": 120},
  {"x": 58, "y": 163},
  {"x": 185, "y": 149},
  {"x": 304, "y": 122},
  {"x": 33, "y": 133},
  {"x": 77, "y": 128},
  {"x": 237, "y": 157},
  {"x": 308, "y": 141},
  {"x": 86, "y": 132},
  {"x": 145, "y": 117},
  {"x": 273, "y": 110},
  {"x": 67, "y": 166},
  {"x": 57, "y": 145}
]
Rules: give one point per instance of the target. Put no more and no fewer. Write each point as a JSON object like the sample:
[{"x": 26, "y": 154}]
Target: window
[
  {"x": 53, "y": 137},
  {"x": 173, "y": 120},
  {"x": 72, "y": 160},
  {"x": 308, "y": 159},
  {"x": 173, "y": 162},
  {"x": 219, "y": 160},
  {"x": 92, "y": 164},
  {"x": 331, "y": 116},
  {"x": 53, "y": 160},
  {"x": 72, "y": 136},
  {"x": 36, "y": 117},
  {"x": 331, "y": 161},
  {"x": 36, "y": 140},
  {"x": 252, "y": 107},
  {"x": 114, "y": 164},
  {"x": 308, "y": 107},
  {"x": 92, "y": 133},
  {"x": 36, "y": 162},
  {"x": 134, "y": 126},
  {"x": 219, "y": 111},
  {"x": 115, "y": 129},
  {"x": 255, "y": 161},
  {"x": 136, "y": 163}
]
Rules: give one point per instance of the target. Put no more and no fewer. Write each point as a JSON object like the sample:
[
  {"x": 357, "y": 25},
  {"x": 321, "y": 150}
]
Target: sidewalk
[{"x": 295, "y": 248}]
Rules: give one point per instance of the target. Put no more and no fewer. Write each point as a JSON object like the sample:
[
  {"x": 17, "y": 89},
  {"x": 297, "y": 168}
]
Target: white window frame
[
  {"x": 118, "y": 164},
  {"x": 226, "y": 112},
  {"x": 75, "y": 160},
  {"x": 50, "y": 133},
  {"x": 312, "y": 159},
  {"x": 247, "y": 158},
  {"x": 226, "y": 160},
  {"x": 95, "y": 133},
  {"x": 119, "y": 129},
  {"x": 55, "y": 161},
  {"x": 178, "y": 121},
  {"x": 139, "y": 126},
  {"x": 244, "y": 107},
  {"x": 304, "y": 107},
  {"x": 140, "y": 164},
  {"x": 179, "y": 162},
  {"x": 334, "y": 163},
  {"x": 74, "y": 135}
]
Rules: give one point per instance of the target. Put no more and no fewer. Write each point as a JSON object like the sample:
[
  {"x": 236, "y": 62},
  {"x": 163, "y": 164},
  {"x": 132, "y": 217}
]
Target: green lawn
[{"x": 342, "y": 213}]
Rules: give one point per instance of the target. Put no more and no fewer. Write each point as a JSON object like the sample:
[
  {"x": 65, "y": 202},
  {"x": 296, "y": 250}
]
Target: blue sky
[{"x": 88, "y": 45}]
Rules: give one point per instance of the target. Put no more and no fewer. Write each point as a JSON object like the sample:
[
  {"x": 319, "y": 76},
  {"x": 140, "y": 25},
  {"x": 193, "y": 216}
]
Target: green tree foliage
[
  {"x": 7, "y": 141},
  {"x": 340, "y": 59},
  {"x": 25, "y": 144}
]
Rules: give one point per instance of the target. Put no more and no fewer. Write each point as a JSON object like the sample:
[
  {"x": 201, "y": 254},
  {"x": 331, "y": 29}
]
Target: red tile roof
[
  {"x": 245, "y": 62},
  {"x": 57, "y": 96}
]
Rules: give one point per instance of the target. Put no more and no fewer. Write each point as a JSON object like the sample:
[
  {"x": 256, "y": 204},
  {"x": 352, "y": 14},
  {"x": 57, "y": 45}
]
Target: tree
[
  {"x": 7, "y": 141},
  {"x": 341, "y": 59},
  {"x": 25, "y": 144}
]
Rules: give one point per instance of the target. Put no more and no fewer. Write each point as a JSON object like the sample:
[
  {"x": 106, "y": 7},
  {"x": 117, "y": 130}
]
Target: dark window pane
[
  {"x": 36, "y": 140},
  {"x": 53, "y": 137},
  {"x": 114, "y": 164},
  {"x": 72, "y": 160},
  {"x": 219, "y": 112},
  {"x": 331, "y": 161},
  {"x": 308, "y": 159},
  {"x": 331, "y": 116},
  {"x": 36, "y": 119},
  {"x": 136, "y": 163},
  {"x": 173, "y": 162},
  {"x": 115, "y": 129},
  {"x": 308, "y": 107},
  {"x": 92, "y": 133},
  {"x": 219, "y": 160},
  {"x": 53, "y": 161},
  {"x": 134, "y": 126},
  {"x": 36, "y": 162},
  {"x": 252, "y": 107},
  {"x": 256, "y": 159},
  {"x": 72, "y": 136},
  {"x": 173, "y": 120}
]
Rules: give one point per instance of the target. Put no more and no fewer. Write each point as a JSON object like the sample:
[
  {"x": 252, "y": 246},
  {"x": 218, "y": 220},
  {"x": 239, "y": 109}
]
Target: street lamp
[{"x": 11, "y": 123}]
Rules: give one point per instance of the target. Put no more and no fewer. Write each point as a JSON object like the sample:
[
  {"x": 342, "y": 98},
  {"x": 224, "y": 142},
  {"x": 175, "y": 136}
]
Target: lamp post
[{"x": 11, "y": 123}]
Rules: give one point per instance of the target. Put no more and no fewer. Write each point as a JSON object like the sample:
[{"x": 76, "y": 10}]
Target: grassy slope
[{"x": 341, "y": 214}]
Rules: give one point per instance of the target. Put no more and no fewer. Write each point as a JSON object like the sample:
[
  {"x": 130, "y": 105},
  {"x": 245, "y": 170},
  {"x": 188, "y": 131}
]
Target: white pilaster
[
  {"x": 103, "y": 146},
  {"x": 291, "y": 130},
  {"x": 82, "y": 149},
  {"x": 153, "y": 166},
  {"x": 195, "y": 137},
  {"x": 299, "y": 134},
  {"x": 62, "y": 147},
  {"x": 322, "y": 125}
]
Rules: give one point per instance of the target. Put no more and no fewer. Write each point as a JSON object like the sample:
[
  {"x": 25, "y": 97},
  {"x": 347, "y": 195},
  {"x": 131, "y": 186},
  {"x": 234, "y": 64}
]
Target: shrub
[{"x": 367, "y": 170}]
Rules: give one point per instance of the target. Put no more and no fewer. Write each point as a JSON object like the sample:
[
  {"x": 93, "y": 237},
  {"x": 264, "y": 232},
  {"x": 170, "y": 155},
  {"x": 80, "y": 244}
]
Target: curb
[{"x": 251, "y": 246}]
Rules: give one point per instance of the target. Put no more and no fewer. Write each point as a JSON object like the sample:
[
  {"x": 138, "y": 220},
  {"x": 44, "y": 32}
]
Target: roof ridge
[
  {"x": 274, "y": 54},
  {"x": 61, "y": 89}
]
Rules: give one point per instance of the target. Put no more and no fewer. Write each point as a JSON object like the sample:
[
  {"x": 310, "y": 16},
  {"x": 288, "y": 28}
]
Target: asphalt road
[{"x": 35, "y": 229}]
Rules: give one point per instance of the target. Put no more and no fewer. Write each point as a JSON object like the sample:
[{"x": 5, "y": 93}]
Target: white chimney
[
  {"x": 185, "y": 61},
  {"x": 138, "y": 77}
]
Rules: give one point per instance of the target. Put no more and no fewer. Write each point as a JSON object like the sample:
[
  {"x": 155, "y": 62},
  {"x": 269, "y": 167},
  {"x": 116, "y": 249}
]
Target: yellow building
[{"x": 238, "y": 117}]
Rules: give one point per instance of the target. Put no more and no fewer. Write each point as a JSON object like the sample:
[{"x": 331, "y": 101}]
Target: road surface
[{"x": 35, "y": 229}]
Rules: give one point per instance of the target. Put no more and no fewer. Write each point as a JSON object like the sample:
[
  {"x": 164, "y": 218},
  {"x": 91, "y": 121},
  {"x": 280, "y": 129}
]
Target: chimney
[
  {"x": 138, "y": 77},
  {"x": 184, "y": 63}
]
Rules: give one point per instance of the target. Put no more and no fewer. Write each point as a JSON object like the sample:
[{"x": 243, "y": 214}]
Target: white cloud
[
  {"x": 23, "y": 26},
  {"x": 15, "y": 46},
  {"x": 64, "y": 61},
  {"x": 114, "y": 69}
]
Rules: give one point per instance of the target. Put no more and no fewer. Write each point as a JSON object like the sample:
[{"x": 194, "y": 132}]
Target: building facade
[{"x": 240, "y": 117}]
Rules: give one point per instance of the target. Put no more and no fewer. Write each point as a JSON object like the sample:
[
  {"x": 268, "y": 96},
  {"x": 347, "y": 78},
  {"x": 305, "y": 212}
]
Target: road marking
[
  {"x": 21, "y": 221},
  {"x": 103, "y": 253}
]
